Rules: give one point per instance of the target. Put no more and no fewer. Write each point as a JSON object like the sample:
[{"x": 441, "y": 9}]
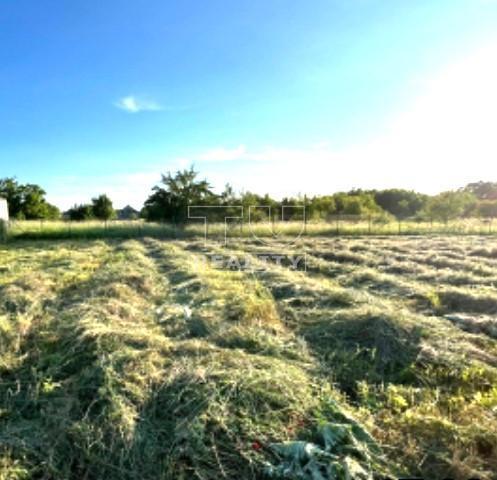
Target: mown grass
[
  {"x": 127, "y": 359},
  {"x": 112, "y": 377},
  {"x": 418, "y": 356}
]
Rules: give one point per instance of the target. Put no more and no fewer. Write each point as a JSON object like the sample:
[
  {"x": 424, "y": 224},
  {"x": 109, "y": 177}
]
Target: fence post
[{"x": 305, "y": 214}]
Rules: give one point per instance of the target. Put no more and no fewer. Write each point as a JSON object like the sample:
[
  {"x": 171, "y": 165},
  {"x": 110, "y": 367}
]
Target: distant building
[
  {"x": 128, "y": 213},
  {"x": 4, "y": 210}
]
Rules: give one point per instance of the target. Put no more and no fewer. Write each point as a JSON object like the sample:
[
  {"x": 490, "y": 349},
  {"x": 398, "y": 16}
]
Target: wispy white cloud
[{"x": 133, "y": 104}]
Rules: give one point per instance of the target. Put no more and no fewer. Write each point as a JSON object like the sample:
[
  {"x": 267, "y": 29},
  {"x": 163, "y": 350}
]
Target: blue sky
[{"x": 284, "y": 96}]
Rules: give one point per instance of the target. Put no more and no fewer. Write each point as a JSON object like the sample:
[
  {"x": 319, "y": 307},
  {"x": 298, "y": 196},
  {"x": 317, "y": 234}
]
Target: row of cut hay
[
  {"x": 104, "y": 394},
  {"x": 25, "y": 290},
  {"x": 475, "y": 323},
  {"x": 123, "y": 401},
  {"x": 443, "y": 297},
  {"x": 374, "y": 331},
  {"x": 405, "y": 293},
  {"x": 426, "y": 264},
  {"x": 86, "y": 375},
  {"x": 455, "y": 248},
  {"x": 212, "y": 303},
  {"x": 248, "y": 383},
  {"x": 468, "y": 300},
  {"x": 409, "y": 370},
  {"x": 356, "y": 278},
  {"x": 408, "y": 295},
  {"x": 32, "y": 277},
  {"x": 29, "y": 282},
  {"x": 440, "y": 295},
  {"x": 286, "y": 282},
  {"x": 434, "y": 377},
  {"x": 486, "y": 252},
  {"x": 334, "y": 320}
]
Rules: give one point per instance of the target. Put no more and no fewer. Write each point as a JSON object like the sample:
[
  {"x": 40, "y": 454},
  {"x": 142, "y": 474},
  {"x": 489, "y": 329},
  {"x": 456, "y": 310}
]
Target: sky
[{"x": 276, "y": 96}]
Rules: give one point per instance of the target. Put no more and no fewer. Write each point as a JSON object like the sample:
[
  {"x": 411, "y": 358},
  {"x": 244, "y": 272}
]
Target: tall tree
[
  {"x": 80, "y": 212},
  {"x": 170, "y": 200},
  {"x": 356, "y": 202},
  {"x": 400, "y": 203},
  {"x": 12, "y": 192},
  {"x": 487, "y": 209},
  {"x": 26, "y": 201},
  {"x": 102, "y": 208},
  {"x": 483, "y": 190},
  {"x": 450, "y": 205}
]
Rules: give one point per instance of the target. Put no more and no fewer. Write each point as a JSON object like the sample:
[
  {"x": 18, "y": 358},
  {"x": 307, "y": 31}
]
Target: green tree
[
  {"x": 400, "y": 203},
  {"x": 102, "y": 208},
  {"x": 483, "y": 190},
  {"x": 255, "y": 206},
  {"x": 356, "y": 202},
  {"x": 228, "y": 196},
  {"x": 321, "y": 207},
  {"x": 12, "y": 192},
  {"x": 487, "y": 208},
  {"x": 51, "y": 212},
  {"x": 170, "y": 201},
  {"x": 34, "y": 205},
  {"x": 450, "y": 205},
  {"x": 26, "y": 201},
  {"x": 80, "y": 212}
]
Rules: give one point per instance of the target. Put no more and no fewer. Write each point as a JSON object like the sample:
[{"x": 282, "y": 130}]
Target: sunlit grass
[
  {"x": 127, "y": 359},
  {"x": 39, "y": 229}
]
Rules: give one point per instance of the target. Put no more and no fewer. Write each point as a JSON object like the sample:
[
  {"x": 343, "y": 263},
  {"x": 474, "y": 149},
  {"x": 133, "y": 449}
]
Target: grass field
[
  {"x": 338, "y": 225},
  {"x": 129, "y": 358}
]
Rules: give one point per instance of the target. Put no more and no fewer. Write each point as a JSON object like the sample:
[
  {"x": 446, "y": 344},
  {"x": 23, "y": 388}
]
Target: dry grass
[{"x": 131, "y": 359}]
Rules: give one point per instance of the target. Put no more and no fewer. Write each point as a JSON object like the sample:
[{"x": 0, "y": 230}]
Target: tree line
[
  {"x": 26, "y": 202},
  {"x": 169, "y": 201}
]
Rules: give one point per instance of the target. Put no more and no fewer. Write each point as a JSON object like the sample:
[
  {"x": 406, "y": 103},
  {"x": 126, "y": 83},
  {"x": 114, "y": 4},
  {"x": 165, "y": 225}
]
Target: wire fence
[{"x": 333, "y": 225}]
